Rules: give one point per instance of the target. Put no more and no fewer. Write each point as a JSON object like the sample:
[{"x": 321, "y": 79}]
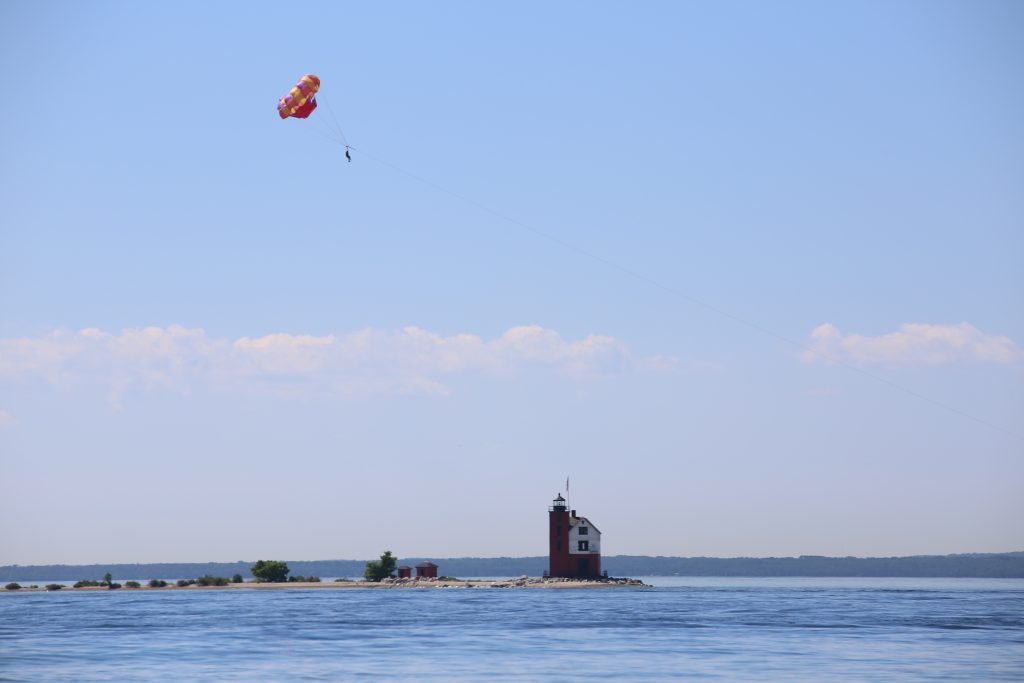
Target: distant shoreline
[{"x": 974, "y": 565}]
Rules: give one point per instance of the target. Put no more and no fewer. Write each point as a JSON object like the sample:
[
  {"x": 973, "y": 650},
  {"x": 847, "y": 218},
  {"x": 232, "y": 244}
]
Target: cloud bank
[
  {"x": 409, "y": 361},
  {"x": 913, "y": 344}
]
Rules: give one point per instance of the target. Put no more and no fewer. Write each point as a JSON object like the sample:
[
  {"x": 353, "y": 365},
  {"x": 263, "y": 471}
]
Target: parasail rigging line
[
  {"x": 337, "y": 125},
  {"x": 322, "y": 128}
]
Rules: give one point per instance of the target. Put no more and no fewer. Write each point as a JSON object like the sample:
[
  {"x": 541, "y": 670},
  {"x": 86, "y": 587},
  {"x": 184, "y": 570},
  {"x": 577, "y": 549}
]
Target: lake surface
[{"x": 683, "y": 628}]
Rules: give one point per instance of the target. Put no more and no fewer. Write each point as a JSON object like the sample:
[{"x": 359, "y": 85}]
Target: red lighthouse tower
[{"x": 574, "y": 544}]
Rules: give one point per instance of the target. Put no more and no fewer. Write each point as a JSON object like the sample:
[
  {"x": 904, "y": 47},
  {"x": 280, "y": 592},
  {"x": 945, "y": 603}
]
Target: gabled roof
[
  {"x": 425, "y": 564},
  {"x": 573, "y": 521}
]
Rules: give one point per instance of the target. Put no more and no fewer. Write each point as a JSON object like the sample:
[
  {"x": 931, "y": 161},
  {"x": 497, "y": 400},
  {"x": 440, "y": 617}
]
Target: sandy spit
[{"x": 521, "y": 582}]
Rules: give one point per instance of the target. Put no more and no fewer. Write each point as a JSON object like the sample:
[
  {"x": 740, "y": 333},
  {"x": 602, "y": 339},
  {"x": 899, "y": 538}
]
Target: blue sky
[{"x": 718, "y": 262}]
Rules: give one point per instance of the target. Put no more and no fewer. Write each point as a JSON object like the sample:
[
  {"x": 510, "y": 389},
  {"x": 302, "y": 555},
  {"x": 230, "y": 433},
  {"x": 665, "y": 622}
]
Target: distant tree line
[
  {"x": 978, "y": 565},
  {"x": 1001, "y": 565}
]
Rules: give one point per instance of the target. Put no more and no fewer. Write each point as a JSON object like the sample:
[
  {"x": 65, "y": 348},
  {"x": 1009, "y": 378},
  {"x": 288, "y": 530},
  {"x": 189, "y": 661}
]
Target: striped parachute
[{"x": 301, "y": 100}]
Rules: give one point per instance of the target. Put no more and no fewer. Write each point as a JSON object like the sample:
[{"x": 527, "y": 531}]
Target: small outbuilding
[
  {"x": 404, "y": 572},
  {"x": 426, "y": 570}
]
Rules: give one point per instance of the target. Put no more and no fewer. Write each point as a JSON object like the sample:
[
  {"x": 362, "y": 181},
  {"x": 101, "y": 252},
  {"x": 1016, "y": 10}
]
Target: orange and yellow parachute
[{"x": 301, "y": 100}]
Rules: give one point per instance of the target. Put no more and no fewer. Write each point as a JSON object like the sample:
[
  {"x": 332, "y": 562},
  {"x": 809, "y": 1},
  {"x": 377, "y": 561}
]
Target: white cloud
[
  {"x": 913, "y": 344},
  {"x": 409, "y": 361}
]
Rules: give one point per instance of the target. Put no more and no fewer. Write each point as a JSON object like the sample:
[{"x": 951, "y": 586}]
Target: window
[
  {"x": 584, "y": 545},
  {"x": 584, "y": 531}
]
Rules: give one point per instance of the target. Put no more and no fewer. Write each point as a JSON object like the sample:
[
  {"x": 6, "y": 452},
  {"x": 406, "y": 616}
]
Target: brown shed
[
  {"x": 404, "y": 572},
  {"x": 426, "y": 570}
]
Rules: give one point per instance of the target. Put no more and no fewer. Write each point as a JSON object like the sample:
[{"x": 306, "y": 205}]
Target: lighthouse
[{"x": 574, "y": 543}]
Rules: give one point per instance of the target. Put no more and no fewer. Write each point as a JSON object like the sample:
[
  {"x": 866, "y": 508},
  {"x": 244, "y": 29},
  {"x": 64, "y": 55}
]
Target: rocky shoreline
[{"x": 521, "y": 582}]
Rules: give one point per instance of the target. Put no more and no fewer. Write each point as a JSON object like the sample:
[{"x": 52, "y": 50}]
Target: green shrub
[
  {"x": 54, "y": 587},
  {"x": 270, "y": 571},
  {"x": 13, "y": 586},
  {"x": 212, "y": 581},
  {"x": 181, "y": 583},
  {"x": 132, "y": 584},
  {"x": 378, "y": 570},
  {"x": 157, "y": 583},
  {"x": 113, "y": 586},
  {"x": 237, "y": 578},
  {"x": 88, "y": 582}
]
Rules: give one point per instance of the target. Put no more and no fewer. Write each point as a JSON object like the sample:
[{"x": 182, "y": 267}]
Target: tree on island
[
  {"x": 382, "y": 569},
  {"x": 270, "y": 571}
]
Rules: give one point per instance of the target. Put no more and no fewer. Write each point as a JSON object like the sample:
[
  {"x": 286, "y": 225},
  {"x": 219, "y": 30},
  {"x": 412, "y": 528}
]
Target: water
[{"x": 684, "y": 628}]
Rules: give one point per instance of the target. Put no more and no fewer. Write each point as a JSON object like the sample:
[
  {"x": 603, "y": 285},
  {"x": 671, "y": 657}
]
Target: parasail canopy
[{"x": 301, "y": 100}]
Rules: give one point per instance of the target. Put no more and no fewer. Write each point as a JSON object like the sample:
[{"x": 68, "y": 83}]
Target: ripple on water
[{"x": 773, "y": 631}]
